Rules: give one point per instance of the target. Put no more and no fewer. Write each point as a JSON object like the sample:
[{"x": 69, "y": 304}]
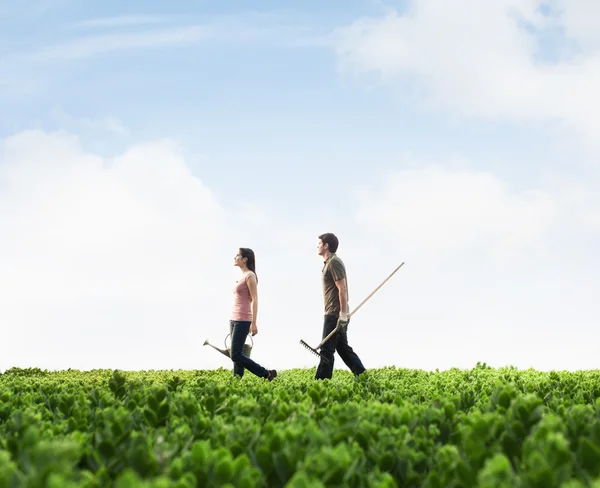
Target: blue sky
[
  {"x": 279, "y": 100},
  {"x": 259, "y": 107},
  {"x": 294, "y": 119}
]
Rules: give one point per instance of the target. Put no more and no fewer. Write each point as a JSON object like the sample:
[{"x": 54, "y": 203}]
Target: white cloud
[
  {"x": 492, "y": 273},
  {"x": 113, "y": 226},
  {"x": 445, "y": 210},
  {"x": 478, "y": 59},
  {"x": 101, "y": 255},
  {"x": 495, "y": 271},
  {"x": 126, "y": 262},
  {"x": 109, "y": 126},
  {"x": 136, "y": 32},
  {"x": 105, "y": 43},
  {"x": 580, "y": 19},
  {"x": 123, "y": 21}
]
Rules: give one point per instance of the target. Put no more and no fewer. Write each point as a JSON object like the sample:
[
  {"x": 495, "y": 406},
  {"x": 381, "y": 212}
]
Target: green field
[{"x": 458, "y": 428}]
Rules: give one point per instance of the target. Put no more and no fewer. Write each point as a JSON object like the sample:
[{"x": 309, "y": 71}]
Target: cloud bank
[
  {"x": 524, "y": 61},
  {"x": 494, "y": 273},
  {"x": 127, "y": 262}
]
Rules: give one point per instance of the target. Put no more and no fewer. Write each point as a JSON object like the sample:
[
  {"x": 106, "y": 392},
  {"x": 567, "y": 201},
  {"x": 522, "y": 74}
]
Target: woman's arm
[{"x": 253, "y": 287}]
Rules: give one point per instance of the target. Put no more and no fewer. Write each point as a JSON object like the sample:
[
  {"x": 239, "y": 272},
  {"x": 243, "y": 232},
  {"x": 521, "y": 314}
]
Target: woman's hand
[{"x": 253, "y": 329}]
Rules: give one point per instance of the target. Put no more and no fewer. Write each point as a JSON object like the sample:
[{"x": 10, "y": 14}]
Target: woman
[{"x": 243, "y": 317}]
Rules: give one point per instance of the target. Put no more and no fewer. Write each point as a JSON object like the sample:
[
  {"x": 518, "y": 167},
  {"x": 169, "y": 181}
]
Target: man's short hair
[{"x": 331, "y": 239}]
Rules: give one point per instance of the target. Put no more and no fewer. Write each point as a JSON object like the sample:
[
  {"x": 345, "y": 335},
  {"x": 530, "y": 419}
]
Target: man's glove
[{"x": 343, "y": 320}]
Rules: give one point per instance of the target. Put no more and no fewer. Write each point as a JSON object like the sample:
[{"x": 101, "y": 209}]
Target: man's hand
[
  {"x": 343, "y": 319},
  {"x": 253, "y": 329}
]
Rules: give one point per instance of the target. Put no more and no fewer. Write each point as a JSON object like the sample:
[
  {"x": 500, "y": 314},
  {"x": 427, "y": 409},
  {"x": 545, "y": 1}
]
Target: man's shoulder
[
  {"x": 333, "y": 260},
  {"x": 337, "y": 268},
  {"x": 336, "y": 260}
]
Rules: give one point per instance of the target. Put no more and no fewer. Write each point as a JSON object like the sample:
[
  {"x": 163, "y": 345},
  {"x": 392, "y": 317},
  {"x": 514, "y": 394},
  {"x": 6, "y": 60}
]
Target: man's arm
[
  {"x": 338, "y": 273},
  {"x": 343, "y": 292}
]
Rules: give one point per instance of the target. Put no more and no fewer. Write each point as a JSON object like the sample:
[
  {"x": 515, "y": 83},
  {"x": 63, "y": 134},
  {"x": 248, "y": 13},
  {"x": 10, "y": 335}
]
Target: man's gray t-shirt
[{"x": 333, "y": 270}]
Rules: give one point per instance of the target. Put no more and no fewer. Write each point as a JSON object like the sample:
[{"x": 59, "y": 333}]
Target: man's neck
[{"x": 327, "y": 255}]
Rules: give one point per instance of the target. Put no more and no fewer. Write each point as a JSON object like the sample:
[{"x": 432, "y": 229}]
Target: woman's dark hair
[{"x": 249, "y": 255}]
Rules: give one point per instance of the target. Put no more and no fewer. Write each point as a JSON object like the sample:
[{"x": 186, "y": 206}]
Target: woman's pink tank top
[{"x": 242, "y": 300}]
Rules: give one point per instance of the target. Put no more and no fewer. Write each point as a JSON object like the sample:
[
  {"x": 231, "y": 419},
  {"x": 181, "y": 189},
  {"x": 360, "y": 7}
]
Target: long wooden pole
[{"x": 360, "y": 305}]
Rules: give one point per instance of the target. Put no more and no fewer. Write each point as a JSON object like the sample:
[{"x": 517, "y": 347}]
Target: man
[{"x": 335, "y": 295}]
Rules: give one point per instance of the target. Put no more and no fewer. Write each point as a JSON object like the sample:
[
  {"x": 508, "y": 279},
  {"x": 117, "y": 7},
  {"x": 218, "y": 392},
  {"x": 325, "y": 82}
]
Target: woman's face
[{"x": 239, "y": 260}]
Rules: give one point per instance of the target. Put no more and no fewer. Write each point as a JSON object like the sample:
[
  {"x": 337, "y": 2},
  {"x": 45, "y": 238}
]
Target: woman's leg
[
  {"x": 238, "y": 338},
  {"x": 238, "y": 367}
]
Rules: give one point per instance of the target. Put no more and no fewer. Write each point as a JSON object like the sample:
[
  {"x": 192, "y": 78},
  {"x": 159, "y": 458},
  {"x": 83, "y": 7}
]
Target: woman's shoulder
[{"x": 249, "y": 274}]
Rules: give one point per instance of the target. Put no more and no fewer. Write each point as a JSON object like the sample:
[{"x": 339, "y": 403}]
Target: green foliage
[{"x": 390, "y": 428}]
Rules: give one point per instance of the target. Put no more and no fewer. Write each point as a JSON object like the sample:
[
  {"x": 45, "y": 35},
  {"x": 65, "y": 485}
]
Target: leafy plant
[{"x": 484, "y": 427}]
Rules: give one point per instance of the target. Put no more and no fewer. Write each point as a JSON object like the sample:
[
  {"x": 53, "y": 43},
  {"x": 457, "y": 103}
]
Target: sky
[{"x": 142, "y": 144}]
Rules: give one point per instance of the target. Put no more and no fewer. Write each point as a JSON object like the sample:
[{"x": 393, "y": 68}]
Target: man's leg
[
  {"x": 346, "y": 352},
  {"x": 325, "y": 369},
  {"x": 237, "y": 356}
]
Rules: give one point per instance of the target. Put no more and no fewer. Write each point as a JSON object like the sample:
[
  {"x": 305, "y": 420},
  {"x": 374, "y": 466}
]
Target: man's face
[{"x": 321, "y": 248}]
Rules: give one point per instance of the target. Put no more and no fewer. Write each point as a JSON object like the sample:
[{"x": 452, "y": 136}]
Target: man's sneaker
[{"x": 272, "y": 375}]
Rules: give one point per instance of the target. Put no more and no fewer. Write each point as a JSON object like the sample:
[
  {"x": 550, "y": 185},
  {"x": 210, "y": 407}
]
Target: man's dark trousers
[{"x": 338, "y": 342}]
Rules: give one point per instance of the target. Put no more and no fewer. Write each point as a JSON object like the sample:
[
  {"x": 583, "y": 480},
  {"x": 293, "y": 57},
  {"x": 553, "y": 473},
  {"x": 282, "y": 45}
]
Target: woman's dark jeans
[{"x": 239, "y": 331}]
